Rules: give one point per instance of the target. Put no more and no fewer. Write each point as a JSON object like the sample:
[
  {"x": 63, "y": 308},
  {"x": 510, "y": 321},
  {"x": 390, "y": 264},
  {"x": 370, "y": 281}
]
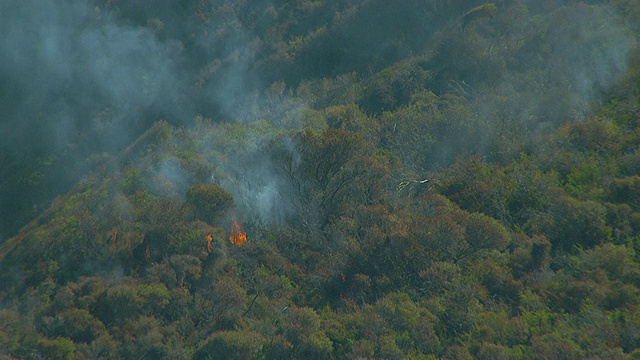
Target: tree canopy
[{"x": 320, "y": 180}]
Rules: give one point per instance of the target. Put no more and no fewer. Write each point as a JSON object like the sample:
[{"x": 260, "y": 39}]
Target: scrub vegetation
[{"x": 229, "y": 179}]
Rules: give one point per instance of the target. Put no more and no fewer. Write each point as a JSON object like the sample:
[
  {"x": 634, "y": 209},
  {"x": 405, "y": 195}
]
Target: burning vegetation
[
  {"x": 209, "y": 239},
  {"x": 237, "y": 237}
]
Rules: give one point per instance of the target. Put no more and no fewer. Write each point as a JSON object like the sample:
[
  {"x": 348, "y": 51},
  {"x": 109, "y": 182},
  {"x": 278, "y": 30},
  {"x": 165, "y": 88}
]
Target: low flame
[
  {"x": 209, "y": 239},
  {"x": 238, "y": 237}
]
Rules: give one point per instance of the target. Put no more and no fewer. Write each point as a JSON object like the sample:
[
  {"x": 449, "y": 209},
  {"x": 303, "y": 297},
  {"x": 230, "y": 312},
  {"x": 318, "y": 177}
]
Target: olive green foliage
[
  {"x": 230, "y": 345},
  {"x": 209, "y": 201},
  {"x": 461, "y": 183}
]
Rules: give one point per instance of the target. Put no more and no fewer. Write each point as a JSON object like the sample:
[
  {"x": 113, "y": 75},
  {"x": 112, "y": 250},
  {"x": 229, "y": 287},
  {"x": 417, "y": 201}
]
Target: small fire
[
  {"x": 238, "y": 237},
  {"x": 209, "y": 239}
]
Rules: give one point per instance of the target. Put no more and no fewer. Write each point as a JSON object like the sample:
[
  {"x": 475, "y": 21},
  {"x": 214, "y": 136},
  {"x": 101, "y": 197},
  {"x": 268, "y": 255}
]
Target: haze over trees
[{"x": 319, "y": 179}]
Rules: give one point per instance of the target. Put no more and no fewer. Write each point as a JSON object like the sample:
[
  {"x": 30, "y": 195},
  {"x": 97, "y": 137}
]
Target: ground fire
[
  {"x": 209, "y": 239},
  {"x": 238, "y": 237}
]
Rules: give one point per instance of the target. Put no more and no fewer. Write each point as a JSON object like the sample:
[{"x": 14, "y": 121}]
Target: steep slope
[{"x": 471, "y": 191}]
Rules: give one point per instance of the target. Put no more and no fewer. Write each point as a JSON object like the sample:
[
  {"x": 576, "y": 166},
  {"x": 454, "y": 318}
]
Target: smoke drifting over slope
[
  {"x": 71, "y": 69},
  {"x": 81, "y": 78},
  {"x": 75, "y": 81}
]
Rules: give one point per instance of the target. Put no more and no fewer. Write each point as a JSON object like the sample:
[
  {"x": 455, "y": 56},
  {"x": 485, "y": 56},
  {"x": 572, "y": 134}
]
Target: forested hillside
[{"x": 371, "y": 179}]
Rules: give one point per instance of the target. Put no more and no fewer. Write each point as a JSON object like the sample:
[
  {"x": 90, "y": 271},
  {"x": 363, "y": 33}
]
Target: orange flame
[
  {"x": 238, "y": 237},
  {"x": 209, "y": 239}
]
